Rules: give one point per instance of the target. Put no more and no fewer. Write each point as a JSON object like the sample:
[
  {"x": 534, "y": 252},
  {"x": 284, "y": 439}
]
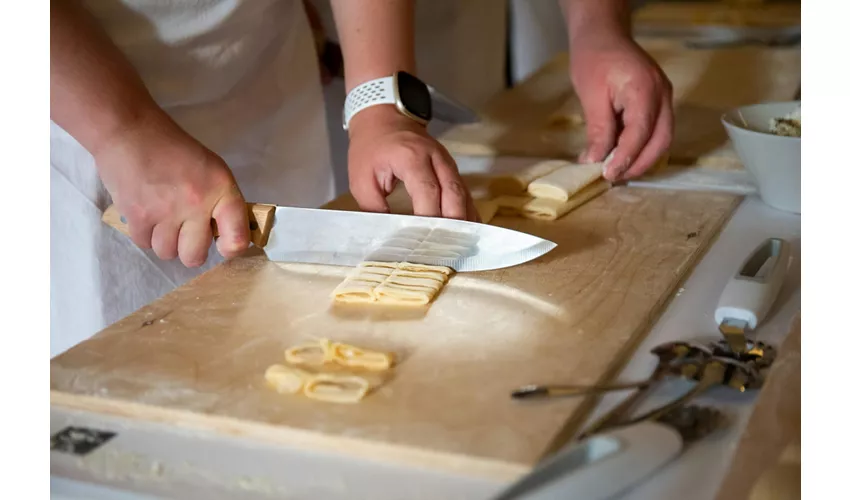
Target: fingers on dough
[{"x": 516, "y": 183}]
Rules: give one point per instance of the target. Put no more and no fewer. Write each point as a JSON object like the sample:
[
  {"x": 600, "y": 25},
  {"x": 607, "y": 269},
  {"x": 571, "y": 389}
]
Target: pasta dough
[
  {"x": 336, "y": 388},
  {"x": 392, "y": 283},
  {"x": 325, "y": 351},
  {"x": 285, "y": 379},
  {"x": 332, "y": 387},
  {"x": 566, "y": 181},
  {"x": 550, "y": 209},
  {"x": 516, "y": 183}
]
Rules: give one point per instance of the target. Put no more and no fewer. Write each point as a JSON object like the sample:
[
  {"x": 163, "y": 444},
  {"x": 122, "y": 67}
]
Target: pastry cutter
[{"x": 751, "y": 292}]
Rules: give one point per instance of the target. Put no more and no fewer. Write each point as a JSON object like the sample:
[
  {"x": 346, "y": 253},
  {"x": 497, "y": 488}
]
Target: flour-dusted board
[
  {"x": 706, "y": 84},
  {"x": 196, "y": 357}
]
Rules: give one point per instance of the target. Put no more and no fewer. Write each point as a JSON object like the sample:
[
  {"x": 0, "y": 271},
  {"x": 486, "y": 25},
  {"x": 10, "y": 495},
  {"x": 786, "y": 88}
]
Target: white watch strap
[{"x": 367, "y": 94}]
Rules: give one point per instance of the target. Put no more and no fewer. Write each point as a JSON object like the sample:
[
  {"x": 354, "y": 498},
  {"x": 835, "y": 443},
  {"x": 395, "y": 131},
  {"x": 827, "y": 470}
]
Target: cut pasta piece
[
  {"x": 516, "y": 183},
  {"x": 511, "y": 205},
  {"x": 402, "y": 283},
  {"x": 315, "y": 354},
  {"x": 336, "y": 388},
  {"x": 351, "y": 356},
  {"x": 565, "y": 182},
  {"x": 549, "y": 209},
  {"x": 285, "y": 379}
]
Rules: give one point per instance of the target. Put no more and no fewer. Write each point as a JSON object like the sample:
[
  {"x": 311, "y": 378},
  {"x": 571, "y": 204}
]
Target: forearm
[
  {"x": 376, "y": 37},
  {"x": 95, "y": 93},
  {"x": 592, "y": 18}
]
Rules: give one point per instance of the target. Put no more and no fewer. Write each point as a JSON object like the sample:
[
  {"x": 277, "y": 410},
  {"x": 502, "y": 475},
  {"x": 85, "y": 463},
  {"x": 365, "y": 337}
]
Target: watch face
[{"x": 414, "y": 95}]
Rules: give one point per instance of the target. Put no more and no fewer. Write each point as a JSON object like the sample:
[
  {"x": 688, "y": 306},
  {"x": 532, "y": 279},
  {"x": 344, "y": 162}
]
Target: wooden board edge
[
  {"x": 589, "y": 403},
  {"x": 733, "y": 482},
  {"x": 481, "y": 468}
]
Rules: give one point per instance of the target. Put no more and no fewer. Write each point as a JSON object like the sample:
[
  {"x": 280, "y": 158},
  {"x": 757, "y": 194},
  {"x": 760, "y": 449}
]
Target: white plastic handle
[
  {"x": 750, "y": 293},
  {"x": 601, "y": 466}
]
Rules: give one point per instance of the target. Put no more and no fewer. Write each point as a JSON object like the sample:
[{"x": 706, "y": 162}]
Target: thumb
[
  {"x": 231, "y": 219},
  {"x": 601, "y": 130}
]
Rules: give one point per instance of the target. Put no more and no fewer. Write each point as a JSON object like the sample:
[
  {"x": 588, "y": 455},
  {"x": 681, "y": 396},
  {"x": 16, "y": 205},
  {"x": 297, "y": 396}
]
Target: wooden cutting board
[
  {"x": 706, "y": 83},
  {"x": 196, "y": 357},
  {"x": 750, "y": 13}
]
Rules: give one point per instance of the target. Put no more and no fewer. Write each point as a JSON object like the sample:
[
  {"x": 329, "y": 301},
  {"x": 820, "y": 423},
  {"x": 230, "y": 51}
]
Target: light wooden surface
[
  {"x": 764, "y": 466},
  {"x": 706, "y": 84},
  {"x": 196, "y": 357},
  {"x": 728, "y": 13}
]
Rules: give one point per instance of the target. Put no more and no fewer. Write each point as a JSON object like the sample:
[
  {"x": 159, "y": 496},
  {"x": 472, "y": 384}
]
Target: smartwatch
[{"x": 409, "y": 94}]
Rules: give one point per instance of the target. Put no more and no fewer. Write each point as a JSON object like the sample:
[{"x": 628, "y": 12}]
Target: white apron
[{"x": 240, "y": 76}]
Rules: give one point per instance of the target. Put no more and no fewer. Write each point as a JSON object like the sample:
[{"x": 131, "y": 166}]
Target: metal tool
[
  {"x": 605, "y": 465},
  {"x": 757, "y": 357},
  {"x": 346, "y": 238},
  {"x": 667, "y": 354},
  {"x": 709, "y": 373},
  {"x": 555, "y": 391},
  {"x": 752, "y": 291}
]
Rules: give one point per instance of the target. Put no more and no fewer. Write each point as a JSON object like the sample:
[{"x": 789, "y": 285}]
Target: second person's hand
[
  {"x": 627, "y": 103},
  {"x": 169, "y": 187},
  {"x": 387, "y": 147}
]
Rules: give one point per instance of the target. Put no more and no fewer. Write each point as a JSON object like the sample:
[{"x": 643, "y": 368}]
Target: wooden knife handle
[{"x": 260, "y": 218}]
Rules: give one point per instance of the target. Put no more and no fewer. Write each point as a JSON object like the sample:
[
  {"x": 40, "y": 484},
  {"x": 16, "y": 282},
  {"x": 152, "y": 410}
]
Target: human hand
[
  {"x": 627, "y": 102},
  {"x": 168, "y": 187},
  {"x": 386, "y": 147}
]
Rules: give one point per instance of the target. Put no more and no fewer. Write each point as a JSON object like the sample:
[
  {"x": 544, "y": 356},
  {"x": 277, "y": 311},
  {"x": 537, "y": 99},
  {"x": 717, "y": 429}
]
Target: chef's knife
[{"x": 346, "y": 238}]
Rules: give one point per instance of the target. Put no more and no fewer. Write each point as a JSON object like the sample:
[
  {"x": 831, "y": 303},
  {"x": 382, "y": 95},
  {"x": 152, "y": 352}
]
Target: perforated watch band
[{"x": 368, "y": 94}]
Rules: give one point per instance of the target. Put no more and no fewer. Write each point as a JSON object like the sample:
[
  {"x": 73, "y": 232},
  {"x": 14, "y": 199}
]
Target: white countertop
[{"x": 174, "y": 462}]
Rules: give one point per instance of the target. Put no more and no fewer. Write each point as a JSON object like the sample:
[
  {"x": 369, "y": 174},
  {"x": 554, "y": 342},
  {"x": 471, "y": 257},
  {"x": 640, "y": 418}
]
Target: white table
[{"x": 183, "y": 463}]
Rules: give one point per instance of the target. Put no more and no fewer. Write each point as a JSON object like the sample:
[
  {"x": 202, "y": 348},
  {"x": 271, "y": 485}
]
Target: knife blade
[{"x": 346, "y": 238}]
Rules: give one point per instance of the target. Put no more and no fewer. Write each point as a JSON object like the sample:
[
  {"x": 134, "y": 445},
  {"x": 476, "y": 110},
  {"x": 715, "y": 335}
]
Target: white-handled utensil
[
  {"x": 600, "y": 466},
  {"x": 751, "y": 291}
]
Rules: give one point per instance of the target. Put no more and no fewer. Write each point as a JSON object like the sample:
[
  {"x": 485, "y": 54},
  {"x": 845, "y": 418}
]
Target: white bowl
[{"x": 773, "y": 160}]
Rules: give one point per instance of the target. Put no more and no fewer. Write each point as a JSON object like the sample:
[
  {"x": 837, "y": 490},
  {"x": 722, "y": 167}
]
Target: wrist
[
  {"x": 119, "y": 123},
  {"x": 596, "y": 22},
  {"x": 379, "y": 117}
]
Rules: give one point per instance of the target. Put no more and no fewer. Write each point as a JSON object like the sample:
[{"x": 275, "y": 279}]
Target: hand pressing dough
[
  {"x": 392, "y": 283},
  {"x": 566, "y": 181},
  {"x": 550, "y": 209},
  {"x": 516, "y": 183}
]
